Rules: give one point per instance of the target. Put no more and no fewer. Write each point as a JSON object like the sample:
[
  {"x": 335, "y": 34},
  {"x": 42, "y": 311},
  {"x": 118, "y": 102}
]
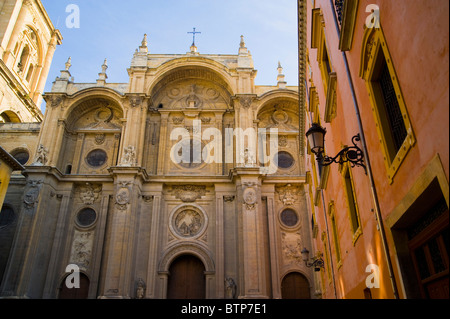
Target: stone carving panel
[
  {"x": 189, "y": 193},
  {"x": 81, "y": 252},
  {"x": 291, "y": 244},
  {"x": 88, "y": 193},
  {"x": 288, "y": 194},
  {"x": 188, "y": 222}
]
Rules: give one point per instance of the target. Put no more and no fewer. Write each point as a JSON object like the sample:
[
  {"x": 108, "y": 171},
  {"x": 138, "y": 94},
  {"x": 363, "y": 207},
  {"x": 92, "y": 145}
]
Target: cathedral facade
[{"x": 186, "y": 182}]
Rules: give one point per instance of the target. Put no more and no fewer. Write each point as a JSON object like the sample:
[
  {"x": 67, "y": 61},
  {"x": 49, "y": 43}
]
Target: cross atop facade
[{"x": 194, "y": 33}]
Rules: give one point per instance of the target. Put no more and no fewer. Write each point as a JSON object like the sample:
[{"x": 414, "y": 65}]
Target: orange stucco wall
[{"x": 417, "y": 37}]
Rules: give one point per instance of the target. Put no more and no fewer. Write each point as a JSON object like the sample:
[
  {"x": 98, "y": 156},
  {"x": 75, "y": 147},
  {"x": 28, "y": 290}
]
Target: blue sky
[{"x": 114, "y": 29}]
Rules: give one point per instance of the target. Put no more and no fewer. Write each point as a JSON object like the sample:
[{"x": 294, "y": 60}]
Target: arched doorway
[
  {"x": 75, "y": 293},
  {"x": 295, "y": 286},
  {"x": 186, "y": 278}
]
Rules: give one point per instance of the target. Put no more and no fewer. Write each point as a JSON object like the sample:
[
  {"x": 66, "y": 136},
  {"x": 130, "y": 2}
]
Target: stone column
[
  {"x": 55, "y": 40},
  {"x": 154, "y": 247},
  {"x": 274, "y": 257},
  {"x": 119, "y": 260},
  {"x": 251, "y": 237},
  {"x": 162, "y": 144}
]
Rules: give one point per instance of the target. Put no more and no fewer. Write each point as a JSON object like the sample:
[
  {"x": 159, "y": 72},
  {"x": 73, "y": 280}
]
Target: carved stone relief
[
  {"x": 123, "y": 195},
  {"x": 291, "y": 244},
  {"x": 189, "y": 193},
  {"x": 82, "y": 249},
  {"x": 250, "y": 198},
  {"x": 288, "y": 194},
  {"x": 89, "y": 193},
  {"x": 188, "y": 222},
  {"x": 32, "y": 194}
]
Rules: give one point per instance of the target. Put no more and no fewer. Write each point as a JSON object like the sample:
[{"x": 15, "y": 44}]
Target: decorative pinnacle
[
  {"x": 242, "y": 44},
  {"x": 104, "y": 66},
  {"x": 280, "y": 68},
  {"x": 144, "y": 41},
  {"x": 68, "y": 63}
]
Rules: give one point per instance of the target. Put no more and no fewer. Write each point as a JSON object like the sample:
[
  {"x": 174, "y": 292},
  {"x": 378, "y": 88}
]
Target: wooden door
[
  {"x": 75, "y": 293},
  {"x": 295, "y": 286},
  {"x": 186, "y": 279},
  {"x": 430, "y": 253}
]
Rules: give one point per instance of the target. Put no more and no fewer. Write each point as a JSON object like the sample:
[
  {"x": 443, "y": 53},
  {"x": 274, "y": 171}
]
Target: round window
[
  {"x": 6, "y": 216},
  {"x": 284, "y": 160},
  {"x": 22, "y": 156},
  {"x": 86, "y": 217},
  {"x": 97, "y": 158},
  {"x": 289, "y": 218}
]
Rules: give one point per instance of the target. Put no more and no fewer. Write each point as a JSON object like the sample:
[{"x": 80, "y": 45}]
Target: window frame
[
  {"x": 374, "y": 46},
  {"x": 356, "y": 233}
]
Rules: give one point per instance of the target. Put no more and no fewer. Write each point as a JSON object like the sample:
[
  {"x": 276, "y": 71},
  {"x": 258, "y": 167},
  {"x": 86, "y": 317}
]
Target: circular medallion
[
  {"x": 188, "y": 222},
  {"x": 250, "y": 197}
]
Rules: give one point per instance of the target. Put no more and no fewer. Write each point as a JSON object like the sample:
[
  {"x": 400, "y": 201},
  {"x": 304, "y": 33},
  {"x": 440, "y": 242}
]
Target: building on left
[{"x": 28, "y": 40}]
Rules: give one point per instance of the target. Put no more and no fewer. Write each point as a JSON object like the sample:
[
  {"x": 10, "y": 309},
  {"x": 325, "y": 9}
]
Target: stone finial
[
  {"x": 102, "y": 75},
  {"x": 243, "y": 51},
  {"x": 143, "y": 48},
  {"x": 280, "y": 78},
  {"x": 105, "y": 66},
  {"x": 242, "y": 44},
  {"x": 68, "y": 63}
]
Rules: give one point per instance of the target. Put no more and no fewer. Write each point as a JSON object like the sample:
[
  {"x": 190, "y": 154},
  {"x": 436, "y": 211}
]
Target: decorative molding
[
  {"x": 189, "y": 193},
  {"x": 250, "y": 198},
  {"x": 288, "y": 194},
  {"x": 228, "y": 198},
  {"x": 331, "y": 102},
  {"x": 31, "y": 197},
  {"x": 100, "y": 139},
  {"x": 282, "y": 141},
  {"x": 291, "y": 244},
  {"x": 123, "y": 195},
  {"x": 82, "y": 249},
  {"x": 89, "y": 193}
]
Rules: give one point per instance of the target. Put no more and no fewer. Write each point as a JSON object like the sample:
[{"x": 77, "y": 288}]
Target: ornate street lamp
[
  {"x": 316, "y": 262},
  {"x": 352, "y": 154}
]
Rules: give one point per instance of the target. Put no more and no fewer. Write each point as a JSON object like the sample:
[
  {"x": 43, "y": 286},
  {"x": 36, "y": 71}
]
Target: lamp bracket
[{"x": 352, "y": 154}]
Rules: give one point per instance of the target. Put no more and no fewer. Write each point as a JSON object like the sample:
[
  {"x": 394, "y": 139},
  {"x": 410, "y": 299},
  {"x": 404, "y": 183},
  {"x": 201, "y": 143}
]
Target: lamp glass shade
[
  {"x": 316, "y": 138},
  {"x": 305, "y": 254}
]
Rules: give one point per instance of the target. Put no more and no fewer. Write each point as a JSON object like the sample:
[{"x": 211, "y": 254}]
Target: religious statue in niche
[
  {"x": 188, "y": 223},
  {"x": 129, "y": 157},
  {"x": 140, "y": 290},
  {"x": 41, "y": 156},
  {"x": 230, "y": 288}
]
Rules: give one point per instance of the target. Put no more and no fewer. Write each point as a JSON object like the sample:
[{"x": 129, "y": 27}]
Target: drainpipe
[{"x": 369, "y": 167}]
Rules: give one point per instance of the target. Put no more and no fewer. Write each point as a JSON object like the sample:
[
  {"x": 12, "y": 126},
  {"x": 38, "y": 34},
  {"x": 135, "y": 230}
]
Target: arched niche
[{"x": 93, "y": 127}]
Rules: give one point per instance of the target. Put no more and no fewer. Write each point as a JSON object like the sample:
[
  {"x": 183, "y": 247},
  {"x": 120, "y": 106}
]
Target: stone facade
[{"x": 104, "y": 192}]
